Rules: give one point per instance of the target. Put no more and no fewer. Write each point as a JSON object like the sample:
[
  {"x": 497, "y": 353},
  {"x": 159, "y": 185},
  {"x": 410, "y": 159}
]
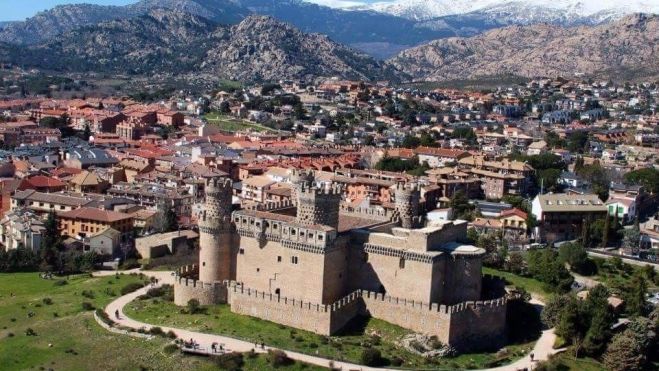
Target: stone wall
[
  {"x": 465, "y": 326},
  {"x": 317, "y": 318},
  {"x": 207, "y": 293}
]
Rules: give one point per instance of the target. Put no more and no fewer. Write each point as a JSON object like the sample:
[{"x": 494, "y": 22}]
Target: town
[{"x": 312, "y": 205}]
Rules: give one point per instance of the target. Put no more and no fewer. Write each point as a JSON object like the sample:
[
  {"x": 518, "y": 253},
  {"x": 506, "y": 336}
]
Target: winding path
[{"x": 542, "y": 350}]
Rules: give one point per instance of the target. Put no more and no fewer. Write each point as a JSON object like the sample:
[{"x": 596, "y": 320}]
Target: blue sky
[{"x": 17, "y": 10}]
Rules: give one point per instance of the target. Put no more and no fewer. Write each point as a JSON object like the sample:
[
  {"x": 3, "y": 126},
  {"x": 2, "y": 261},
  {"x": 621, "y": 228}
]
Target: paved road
[{"x": 543, "y": 347}]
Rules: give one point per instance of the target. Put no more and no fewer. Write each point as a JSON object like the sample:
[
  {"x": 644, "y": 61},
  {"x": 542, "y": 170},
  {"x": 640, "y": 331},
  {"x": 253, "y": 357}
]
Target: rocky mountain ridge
[
  {"x": 166, "y": 42},
  {"x": 628, "y": 47}
]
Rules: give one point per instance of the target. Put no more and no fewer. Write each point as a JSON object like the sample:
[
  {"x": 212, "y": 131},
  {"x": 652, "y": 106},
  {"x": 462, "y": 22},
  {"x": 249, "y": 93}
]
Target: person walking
[{"x": 116, "y": 313}]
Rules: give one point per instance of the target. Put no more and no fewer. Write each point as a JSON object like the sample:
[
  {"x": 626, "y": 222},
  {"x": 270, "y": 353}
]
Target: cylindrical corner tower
[
  {"x": 215, "y": 232},
  {"x": 407, "y": 198}
]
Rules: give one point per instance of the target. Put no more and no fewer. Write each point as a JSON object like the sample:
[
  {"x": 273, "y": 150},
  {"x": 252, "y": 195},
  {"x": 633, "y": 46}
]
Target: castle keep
[{"x": 314, "y": 265}]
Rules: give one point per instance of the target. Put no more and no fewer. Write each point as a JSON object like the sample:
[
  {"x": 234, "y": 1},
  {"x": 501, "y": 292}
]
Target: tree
[
  {"x": 553, "y": 140},
  {"x": 576, "y": 142},
  {"x": 369, "y": 140},
  {"x": 515, "y": 263},
  {"x": 648, "y": 178},
  {"x": 86, "y": 133},
  {"x": 572, "y": 324},
  {"x": 576, "y": 256},
  {"x": 551, "y": 313},
  {"x": 547, "y": 267},
  {"x": 635, "y": 295},
  {"x": 165, "y": 219},
  {"x": 632, "y": 239},
  {"x": 410, "y": 141},
  {"x": 624, "y": 353},
  {"x": 601, "y": 320},
  {"x": 462, "y": 209},
  {"x": 50, "y": 244},
  {"x": 193, "y": 306}
]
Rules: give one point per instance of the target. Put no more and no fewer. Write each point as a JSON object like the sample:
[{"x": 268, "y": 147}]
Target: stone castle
[{"x": 312, "y": 265}]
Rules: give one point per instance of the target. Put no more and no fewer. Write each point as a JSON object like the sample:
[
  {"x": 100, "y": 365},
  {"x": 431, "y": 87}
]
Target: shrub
[
  {"x": 10, "y": 334},
  {"x": 55, "y": 314},
  {"x": 87, "y": 305},
  {"x": 104, "y": 317},
  {"x": 371, "y": 357},
  {"x": 131, "y": 287},
  {"x": 30, "y": 332},
  {"x": 171, "y": 334},
  {"x": 277, "y": 358},
  {"x": 170, "y": 348},
  {"x": 88, "y": 294},
  {"x": 129, "y": 264},
  {"x": 397, "y": 361},
  {"x": 193, "y": 306},
  {"x": 230, "y": 361},
  {"x": 157, "y": 331},
  {"x": 299, "y": 339},
  {"x": 47, "y": 301},
  {"x": 251, "y": 354}
]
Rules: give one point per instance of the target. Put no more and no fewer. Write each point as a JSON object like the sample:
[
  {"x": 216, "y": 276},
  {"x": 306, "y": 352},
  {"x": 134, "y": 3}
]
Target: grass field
[
  {"x": 71, "y": 339},
  {"x": 228, "y": 123},
  {"x": 581, "y": 364},
  {"x": 529, "y": 284},
  {"x": 219, "y": 319}
]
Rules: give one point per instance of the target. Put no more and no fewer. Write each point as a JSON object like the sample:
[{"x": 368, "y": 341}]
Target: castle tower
[
  {"x": 300, "y": 178},
  {"x": 407, "y": 198},
  {"x": 215, "y": 232},
  {"x": 319, "y": 205}
]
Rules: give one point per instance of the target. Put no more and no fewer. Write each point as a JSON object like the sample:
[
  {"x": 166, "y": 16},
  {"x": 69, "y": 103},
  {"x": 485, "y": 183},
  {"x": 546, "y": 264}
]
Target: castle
[{"x": 315, "y": 265}]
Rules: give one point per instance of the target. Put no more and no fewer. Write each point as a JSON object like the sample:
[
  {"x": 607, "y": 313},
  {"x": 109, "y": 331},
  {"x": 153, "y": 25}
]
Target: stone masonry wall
[
  {"x": 207, "y": 293},
  {"x": 318, "y": 318},
  {"x": 465, "y": 326}
]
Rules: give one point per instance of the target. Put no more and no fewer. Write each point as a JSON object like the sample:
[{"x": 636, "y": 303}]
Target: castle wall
[
  {"x": 392, "y": 272},
  {"x": 335, "y": 272},
  {"x": 268, "y": 266},
  {"x": 466, "y": 326},
  {"x": 207, "y": 293}
]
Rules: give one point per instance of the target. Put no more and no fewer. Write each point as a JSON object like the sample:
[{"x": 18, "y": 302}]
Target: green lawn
[
  {"x": 229, "y": 123},
  {"x": 348, "y": 346},
  {"x": 529, "y": 284},
  {"x": 577, "y": 364},
  {"x": 72, "y": 340}
]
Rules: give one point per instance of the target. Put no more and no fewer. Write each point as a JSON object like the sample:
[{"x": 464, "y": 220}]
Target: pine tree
[
  {"x": 50, "y": 244},
  {"x": 601, "y": 320},
  {"x": 624, "y": 353},
  {"x": 605, "y": 232},
  {"x": 635, "y": 296}
]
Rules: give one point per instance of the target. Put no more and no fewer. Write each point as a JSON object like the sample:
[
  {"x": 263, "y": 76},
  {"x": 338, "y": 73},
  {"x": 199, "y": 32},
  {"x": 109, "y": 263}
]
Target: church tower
[
  {"x": 215, "y": 232},
  {"x": 407, "y": 198}
]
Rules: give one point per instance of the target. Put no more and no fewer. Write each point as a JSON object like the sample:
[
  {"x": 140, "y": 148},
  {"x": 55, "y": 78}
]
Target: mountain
[
  {"x": 624, "y": 48},
  {"x": 382, "y": 35},
  {"x": 359, "y": 28},
  {"x": 516, "y": 11},
  {"x": 175, "y": 43},
  {"x": 60, "y": 19}
]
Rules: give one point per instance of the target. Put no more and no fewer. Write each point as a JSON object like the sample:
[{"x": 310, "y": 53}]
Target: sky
[{"x": 18, "y": 10}]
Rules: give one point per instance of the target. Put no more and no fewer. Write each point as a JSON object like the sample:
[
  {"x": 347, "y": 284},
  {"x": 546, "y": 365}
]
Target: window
[
  {"x": 258, "y": 270},
  {"x": 241, "y": 251},
  {"x": 401, "y": 263},
  {"x": 293, "y": 232},
  {"x": 320, "y": 237},
  {"x": 294, "y": 259},
  {"x": 279, "y": 259},
  {"x": 274, "y": 226}
]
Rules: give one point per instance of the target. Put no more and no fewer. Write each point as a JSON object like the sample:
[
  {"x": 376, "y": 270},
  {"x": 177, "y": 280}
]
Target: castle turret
[
  {"x": 319, "y": 206},
  {"x": 300, "y": 178},
  {"x": 215, "y": 232},
  {"x": 407, "y": 198}
]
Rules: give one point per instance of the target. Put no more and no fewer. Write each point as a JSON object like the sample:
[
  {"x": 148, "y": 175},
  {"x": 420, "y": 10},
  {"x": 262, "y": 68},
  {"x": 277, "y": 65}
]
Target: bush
[
  {"x": 230, "y": 361},
  {"x": 170, "y": 348},
  {"x": 30, "y": 332},
  {"x": 104, "y": 317},
  {"x": 88, "y": 294},
  {"x": 371, "y": 357},
  {"x": 193, "y": 306},
  {"x": 157, "y": 331},
  {"x": 277, "y": 358},
  {"x": 47, "y": 301},
  {"x": 131, "y": 287},
  {"x": 171, "y": 334},
  {"x": 397, "y": 361},
  {"x": 87, "y": 305}
]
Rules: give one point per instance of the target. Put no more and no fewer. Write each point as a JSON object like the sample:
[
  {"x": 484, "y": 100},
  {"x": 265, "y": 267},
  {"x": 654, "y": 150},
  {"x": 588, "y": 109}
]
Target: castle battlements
[
  {"x": 282, "y": 300},
  {"x": 433, "y": 307},
  {"x": 369, "y": 212}
]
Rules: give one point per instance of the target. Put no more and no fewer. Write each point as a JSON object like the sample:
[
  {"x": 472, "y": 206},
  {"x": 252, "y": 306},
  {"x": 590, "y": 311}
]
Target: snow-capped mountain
[{"x": 525, "y": 12}]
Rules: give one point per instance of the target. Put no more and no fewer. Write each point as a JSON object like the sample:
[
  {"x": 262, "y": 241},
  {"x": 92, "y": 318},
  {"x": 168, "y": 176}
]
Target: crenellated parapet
[{"x": 319, "y": 205}]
